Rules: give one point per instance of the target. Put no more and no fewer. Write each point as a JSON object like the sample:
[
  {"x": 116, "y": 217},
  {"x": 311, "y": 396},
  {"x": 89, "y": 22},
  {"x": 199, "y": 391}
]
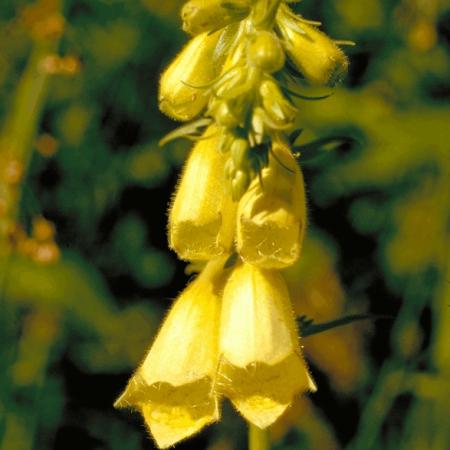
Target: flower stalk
[{"x": 258, "y": 439}]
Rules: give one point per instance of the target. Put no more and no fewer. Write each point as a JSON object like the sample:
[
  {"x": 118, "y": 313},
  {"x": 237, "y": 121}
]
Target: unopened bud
[
  {"x": 313, "y": 53},
  {"x": 225, "y": 140},
  {"x": 239, "y": 184},
  {"x": 278, "y": 108},
  {"x": 239, "y": 152},
  {"x": 233, "y": 83},
  {"x": 266, "y": 53},
  {"x": 224, "y": 114},
  {"x": 180, "y": 92},
  {"x": 209, "y": 15},
  {"x": 258, "y": 124}
]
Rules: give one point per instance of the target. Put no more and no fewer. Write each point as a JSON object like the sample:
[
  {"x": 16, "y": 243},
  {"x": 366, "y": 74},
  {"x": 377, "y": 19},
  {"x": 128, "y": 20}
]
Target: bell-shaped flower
[
  {"x": 271, "y": 215},
  {"x": 173, "y": 388},
  {"x": 261, "y": 366},
  {"x": 314, "y": 54},
  {"x": 182, "y": 90},
  {"x": 202, "y": 216}
]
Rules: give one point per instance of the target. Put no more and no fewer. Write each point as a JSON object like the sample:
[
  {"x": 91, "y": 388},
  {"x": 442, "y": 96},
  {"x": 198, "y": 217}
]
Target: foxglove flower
[
  {"x": 173, "y": 388},
  {"x": 261, "y": 366},
  {"x": 202, "y": 216},
  {"x": 271, "y": 215}
]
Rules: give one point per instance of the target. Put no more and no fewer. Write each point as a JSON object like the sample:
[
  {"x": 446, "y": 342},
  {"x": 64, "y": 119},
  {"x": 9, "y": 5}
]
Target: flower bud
[
  {"x": 259, "y": 126},
  {"x": 226, "y": 139},
  {"x": 180, "y": 92},
  {"x": 266, "y": 53},
  {"x": 202, "y": 216},
  {"x": 261, "y": 366},
  {"x": 233, "y": 83},
  {"x": 239, "y": 184},
  {"x": 278, "y": 108},
  {"x": 174, "y": 385},
  {"x": 239, "y": 152},
  {"x": 209, "y": 15},
  {"x": 224, "y": 114},
  {"x": 271, "y": 215},
  {"x": 313, "y": 53}
]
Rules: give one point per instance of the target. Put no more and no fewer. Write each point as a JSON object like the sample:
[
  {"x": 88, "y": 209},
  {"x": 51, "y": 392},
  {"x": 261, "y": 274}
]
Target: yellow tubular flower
[
  {"x": 180, "y": 92},
  {"x": 272, "y": 213},
  {"x": 173, "y": 386},
  {"x": 261, "y": 366},
  {"x": 202, "y": 216},
  {"x": 313, "y": 53}
]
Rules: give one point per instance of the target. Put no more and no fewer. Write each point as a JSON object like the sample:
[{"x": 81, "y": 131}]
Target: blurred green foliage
[{"x": 79, "y": 308}]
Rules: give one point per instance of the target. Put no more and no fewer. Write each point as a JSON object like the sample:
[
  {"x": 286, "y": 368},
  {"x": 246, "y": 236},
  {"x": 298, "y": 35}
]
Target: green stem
[{"x": 258, "y": 439}]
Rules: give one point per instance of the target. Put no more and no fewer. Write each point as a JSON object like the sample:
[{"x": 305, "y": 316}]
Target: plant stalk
[{"x": 258, "y": 439}]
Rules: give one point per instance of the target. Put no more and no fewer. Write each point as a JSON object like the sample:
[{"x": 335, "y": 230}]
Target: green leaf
[{"x": 308, "y": 327}]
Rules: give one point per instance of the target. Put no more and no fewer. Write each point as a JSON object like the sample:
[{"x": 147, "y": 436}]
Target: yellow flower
[
  {"x": 180, "y": 92},
  {"x": 261, "y": 366},
  {"x": 272, "y": 213},
  {"x": 313, "y": 53},
  {"x": 202, "y": 216},
  {"x": 174, "y": 385}
]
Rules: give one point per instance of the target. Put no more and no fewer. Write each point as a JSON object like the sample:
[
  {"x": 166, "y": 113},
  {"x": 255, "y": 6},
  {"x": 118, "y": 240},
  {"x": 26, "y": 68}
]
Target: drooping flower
[
  {"x": 313, "y": 53},
  {"x": 173, "y": 388},
  {"x": 271, "y": 215},
  {"x": 261, "y": 366},
  {"x": 202, "y": 216}
]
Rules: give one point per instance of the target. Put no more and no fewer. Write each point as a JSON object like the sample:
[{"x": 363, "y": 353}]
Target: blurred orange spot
[
  {"x": 57, "y": 65},
  {"x": 46, "y": 145},
  {"x": 423, "y": 36},
  {"x": 43, "y": 229},
  {"x": 43, "y": 20},
  {"x": 13, "y": 172},
  {"x": 47, "y": 253}
]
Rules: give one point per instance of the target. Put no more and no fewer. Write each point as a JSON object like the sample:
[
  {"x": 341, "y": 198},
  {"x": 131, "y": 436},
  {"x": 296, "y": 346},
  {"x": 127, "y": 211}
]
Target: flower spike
[{"x": 238, "y": 216}]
